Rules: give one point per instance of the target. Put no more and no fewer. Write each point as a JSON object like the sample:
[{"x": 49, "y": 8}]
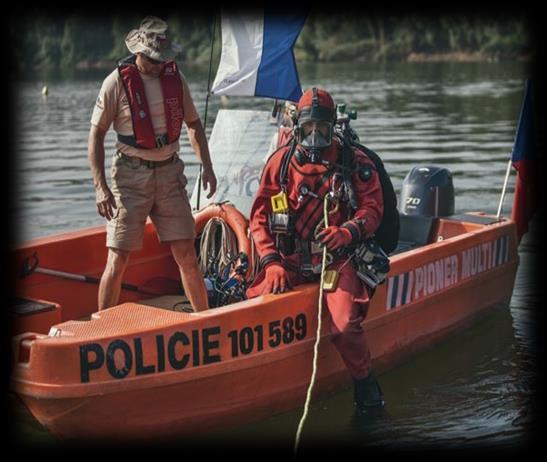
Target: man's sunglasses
[{"x": 152, "y": 61}]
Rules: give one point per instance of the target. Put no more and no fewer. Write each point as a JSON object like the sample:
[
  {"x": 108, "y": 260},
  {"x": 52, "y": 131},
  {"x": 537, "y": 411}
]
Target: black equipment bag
[{"x": 387, "y": 234}]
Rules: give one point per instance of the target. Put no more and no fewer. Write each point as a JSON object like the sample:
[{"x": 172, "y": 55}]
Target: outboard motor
[{"x": 428, "y": 192}]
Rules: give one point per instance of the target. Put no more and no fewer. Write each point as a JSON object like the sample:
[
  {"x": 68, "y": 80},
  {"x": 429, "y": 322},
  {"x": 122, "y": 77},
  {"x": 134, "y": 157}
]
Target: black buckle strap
[
  {"x": 130, "y": 140},
  {"x": 161, "y": 141},
  {"x": 283, "y": 176},
  {"x": 147, "y": 163}
]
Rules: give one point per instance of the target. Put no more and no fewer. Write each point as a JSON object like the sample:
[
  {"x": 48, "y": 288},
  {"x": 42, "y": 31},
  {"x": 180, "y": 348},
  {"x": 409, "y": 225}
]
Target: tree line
[{"x": 47, "y": 42}]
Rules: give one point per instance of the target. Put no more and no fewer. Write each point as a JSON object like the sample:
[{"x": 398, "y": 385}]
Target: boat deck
[{"x": 174, "y": 302}]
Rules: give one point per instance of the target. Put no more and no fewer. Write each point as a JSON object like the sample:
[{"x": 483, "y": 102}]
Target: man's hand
[
  {"x": 275, "y": 280},
  {"x": 334, "y": 237},
  {"x": 198, "y": 141},
  {"x": 208, "y": 178},
  {"x": 105, "y": 202}
]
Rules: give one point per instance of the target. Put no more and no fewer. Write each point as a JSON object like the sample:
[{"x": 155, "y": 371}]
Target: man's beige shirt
[{"x": 112, "y": 107}]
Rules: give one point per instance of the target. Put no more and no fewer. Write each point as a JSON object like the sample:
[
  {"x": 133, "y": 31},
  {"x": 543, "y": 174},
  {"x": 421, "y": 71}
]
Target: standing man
[
  {"x": 285, "y": 130},
  {"x": 147, "y": 99},
  {"x": 287, "y": 225}
]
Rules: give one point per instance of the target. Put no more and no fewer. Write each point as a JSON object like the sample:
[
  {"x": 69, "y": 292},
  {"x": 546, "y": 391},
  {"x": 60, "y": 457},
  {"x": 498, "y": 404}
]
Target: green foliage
[
  {"x": 38, "y": 44},
  {"x": 193, "y": 33},
  {"x": 48, "y": 43},
  {"x": 121, "y": 25},
  {"x": 85, "y": 39}
]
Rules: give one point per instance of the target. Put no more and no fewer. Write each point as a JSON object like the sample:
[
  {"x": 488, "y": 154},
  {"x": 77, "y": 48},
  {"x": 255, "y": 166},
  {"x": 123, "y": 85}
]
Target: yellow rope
[{"x": 318, "y": 334}]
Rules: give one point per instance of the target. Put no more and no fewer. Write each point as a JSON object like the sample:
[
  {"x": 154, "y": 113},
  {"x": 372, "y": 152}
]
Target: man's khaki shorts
[{"x": 141, "y": 192}]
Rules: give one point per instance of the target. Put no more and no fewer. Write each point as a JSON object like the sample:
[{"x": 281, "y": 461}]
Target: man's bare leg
[
  {"x": 192, "y": 279},
  {"x": 111, "y": 280}
]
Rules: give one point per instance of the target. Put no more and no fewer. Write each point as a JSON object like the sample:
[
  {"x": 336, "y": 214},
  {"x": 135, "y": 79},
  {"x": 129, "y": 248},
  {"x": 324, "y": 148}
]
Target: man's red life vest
[{"x": 172, "y": 89}]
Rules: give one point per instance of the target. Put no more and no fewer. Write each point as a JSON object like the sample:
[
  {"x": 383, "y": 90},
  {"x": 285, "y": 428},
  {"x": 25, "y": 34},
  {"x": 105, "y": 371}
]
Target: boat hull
[{"x": 134, "y": 371}]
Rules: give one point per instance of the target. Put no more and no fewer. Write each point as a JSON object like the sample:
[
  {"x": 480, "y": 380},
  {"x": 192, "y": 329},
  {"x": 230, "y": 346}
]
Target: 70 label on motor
[{"x": 280, "y": 332}]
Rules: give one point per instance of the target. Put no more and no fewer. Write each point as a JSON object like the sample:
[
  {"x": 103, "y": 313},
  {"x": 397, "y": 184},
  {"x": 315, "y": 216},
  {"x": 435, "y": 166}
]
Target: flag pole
[
  {"x": 206, "y": 106},
  {"x": 507, "y": 174}
]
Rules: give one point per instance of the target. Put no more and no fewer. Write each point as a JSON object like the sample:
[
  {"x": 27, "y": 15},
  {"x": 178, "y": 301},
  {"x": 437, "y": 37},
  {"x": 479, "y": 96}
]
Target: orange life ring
[{"x": 234, "y": 218}]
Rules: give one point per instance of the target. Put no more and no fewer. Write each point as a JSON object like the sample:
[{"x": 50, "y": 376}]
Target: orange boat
[
  {"x": 136, "y": 369},
  {"x": 142, "y": 369}
]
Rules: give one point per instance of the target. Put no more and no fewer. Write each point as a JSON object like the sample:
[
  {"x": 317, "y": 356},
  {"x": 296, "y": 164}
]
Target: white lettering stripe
[
  {"x": 389, "y": 298},
  {"x": 401, "y": 278},
  {"x": 409, "y": 288},
  {"x": 403, "y": 289},
  {"x": 501, "y": 250}
]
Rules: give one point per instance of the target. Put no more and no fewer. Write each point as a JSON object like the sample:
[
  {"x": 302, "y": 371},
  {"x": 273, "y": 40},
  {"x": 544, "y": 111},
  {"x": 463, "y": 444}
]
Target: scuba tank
[
  {"x": 370, "y": 257},
  {"x": 387, "y": 233}
]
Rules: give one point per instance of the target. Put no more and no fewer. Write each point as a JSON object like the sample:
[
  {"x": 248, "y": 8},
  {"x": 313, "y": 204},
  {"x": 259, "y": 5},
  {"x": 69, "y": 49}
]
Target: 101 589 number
[{"x": 249, "y": 339}]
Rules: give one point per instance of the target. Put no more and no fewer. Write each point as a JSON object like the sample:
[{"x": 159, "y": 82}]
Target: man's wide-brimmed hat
[{"x": 151, "y": 40}]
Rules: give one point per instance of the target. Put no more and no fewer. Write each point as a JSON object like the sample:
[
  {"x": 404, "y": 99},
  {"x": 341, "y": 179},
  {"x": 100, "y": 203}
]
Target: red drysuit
[{"x": 346, "y": 314}]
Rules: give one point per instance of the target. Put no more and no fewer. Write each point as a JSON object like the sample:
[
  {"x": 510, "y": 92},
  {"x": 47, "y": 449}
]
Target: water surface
[{"x": 473, "y": 389}]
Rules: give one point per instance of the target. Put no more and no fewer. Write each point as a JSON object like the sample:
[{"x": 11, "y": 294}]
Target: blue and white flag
[{"x": 257, "y": 56}]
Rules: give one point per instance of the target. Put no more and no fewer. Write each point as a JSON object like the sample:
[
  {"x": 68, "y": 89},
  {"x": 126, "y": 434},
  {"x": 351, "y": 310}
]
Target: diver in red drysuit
[{"x": 306, "y": 172}]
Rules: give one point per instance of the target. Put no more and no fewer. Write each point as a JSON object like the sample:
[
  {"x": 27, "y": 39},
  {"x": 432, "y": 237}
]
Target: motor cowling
[{"x": 428, "y": 191}]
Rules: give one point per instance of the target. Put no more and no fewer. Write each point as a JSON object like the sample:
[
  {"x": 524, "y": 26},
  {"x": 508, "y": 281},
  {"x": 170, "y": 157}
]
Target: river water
[{"x": 475, "y": 389}]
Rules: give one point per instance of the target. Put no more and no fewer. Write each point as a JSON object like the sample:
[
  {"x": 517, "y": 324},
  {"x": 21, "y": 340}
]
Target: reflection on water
[{"x": 472, "y": 389}]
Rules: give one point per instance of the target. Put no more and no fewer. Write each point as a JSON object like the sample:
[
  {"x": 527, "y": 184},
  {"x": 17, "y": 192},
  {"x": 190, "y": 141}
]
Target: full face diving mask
[{"x": 315, "y": 134}]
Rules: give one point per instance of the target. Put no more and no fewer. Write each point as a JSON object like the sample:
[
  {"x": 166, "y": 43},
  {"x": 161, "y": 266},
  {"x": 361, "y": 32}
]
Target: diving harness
[{"x": 369, "y": 259}]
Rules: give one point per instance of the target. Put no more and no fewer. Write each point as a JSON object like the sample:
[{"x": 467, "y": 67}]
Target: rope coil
[{"x": 209, "y": 244}]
